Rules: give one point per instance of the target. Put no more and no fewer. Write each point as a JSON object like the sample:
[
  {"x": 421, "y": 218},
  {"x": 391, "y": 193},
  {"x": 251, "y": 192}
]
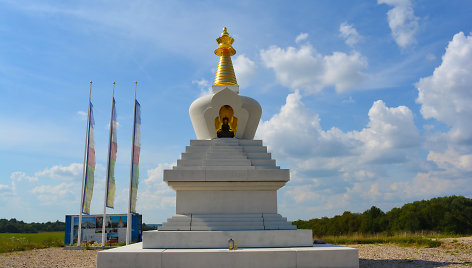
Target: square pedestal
[
  {"x": 291, "y": 257},
  {"x": 219, "y": 239}
]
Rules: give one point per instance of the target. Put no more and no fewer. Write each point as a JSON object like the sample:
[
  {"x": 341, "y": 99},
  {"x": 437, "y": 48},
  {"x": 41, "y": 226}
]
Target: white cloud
[
  {"x": 245, "y": 70},
  {"x": 51, "y": 194},
  {"x": 349, "y": 33},
  {"x": 18, "y": 176},
  {"x": 70, "y": 172},
  {"x": 344, "y": 71},
  {"x": 389, "y": 132},
  {"x": 302, "y": 193},
  {"x": 4, "y": 187},
  {"x": 296, "y": 132},
  {"x": 301, "y": 37},
  {"x": 204, "y": 85},
  {"x": 342, "y": 169},
  {"x": 306, "y": 69},
  {"x": 451, "y": 158},
  {"x": 155, "y": 175},
  {"x": 402, "y": 21},
  {"x": 157, "y": 193},
  {"x": 82, "y": 115},
  {"x": 426, "y": 185},
  {"x": 446, "y": 95}
]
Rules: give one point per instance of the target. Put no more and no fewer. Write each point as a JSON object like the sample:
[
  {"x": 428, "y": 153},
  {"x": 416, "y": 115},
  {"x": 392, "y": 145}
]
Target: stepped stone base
[
  {"x": 293, "y": 257},
  {"x": 219, "y": 239},
  {"x": 226, "y": 222}
]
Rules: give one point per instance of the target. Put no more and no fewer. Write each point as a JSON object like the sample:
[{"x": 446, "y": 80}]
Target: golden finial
[{"x": 225, "y": 71}]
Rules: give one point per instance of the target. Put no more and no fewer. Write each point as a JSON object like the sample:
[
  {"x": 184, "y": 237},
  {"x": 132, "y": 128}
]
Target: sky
[{"x": 366, "y": 102}]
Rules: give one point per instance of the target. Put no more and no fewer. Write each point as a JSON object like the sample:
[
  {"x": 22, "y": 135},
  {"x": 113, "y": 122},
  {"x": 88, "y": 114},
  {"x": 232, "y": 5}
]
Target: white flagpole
[
  {"x": 128, "y": 222},
  {"x": 87, "y": 133},
  {"x": 108, "y": 170}
]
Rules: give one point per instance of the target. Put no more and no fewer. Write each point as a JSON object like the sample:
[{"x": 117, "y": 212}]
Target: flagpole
[
  {"x": 128, "y": 220},
  {"x": 87, "y": 133},
  {"x": 108, "y": 169}
]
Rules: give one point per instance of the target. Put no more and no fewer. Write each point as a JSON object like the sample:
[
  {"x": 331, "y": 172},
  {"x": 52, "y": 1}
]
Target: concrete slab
[
  {"x": 219, "y": 239},
  {"x": 297, "y": 257},
  {"x": 130, "y": 256}
]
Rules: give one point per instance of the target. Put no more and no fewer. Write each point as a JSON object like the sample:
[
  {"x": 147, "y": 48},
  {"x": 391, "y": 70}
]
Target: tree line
[
  {"x": 15, "y": 226},
  {"x": 448, "y": 215}
]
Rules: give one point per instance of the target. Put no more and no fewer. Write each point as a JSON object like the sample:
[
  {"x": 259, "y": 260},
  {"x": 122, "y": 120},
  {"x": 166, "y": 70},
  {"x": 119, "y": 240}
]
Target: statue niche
[{"x": 226, "y": 123}]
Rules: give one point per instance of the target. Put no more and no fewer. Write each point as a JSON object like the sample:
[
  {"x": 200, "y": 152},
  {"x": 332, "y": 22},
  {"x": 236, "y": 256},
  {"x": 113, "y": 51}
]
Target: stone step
[
  {"x": 258, "y": 155},
  {"x": 262, "y": 162},
  {"x": 224, "y": 218},
  {"x": 255, "y": 149},
  {"x": 250, "y": 142},
  {"x": 233, "y": 221},
  {"x": 200, "y": 142},
  {"x": 213, "y": 173},
  {"x": 228, "y": 168},
  {"x": 219, "y": 223},
  {"x": 273, "y": 216},
  {"x": 196, "y": 149},
  {"x": 214, "y": 142},
  {"x": 280, "y": 227},
  {"x": 266, "y": 167},
  {"x": 213, "y": 149},
  {"x": 214, "y": 162},
  {"x": 267, "y": 221},
  {"x": 225, "y": 144},
  {"x": 173, "y": 228},
  {"x": 224, "y": 140},
  {"x": 247, "y": 215},
  {"x": 225, "y": 148},
  {"x": 212, "y": 155},
  {"x": 226, "y": 228}
]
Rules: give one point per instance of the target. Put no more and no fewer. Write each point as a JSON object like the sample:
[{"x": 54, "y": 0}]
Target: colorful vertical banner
[
  {"x": 135, "y": 160},
  {"x": 89, "y": 174},
  {"x": 113, "y": 147}
]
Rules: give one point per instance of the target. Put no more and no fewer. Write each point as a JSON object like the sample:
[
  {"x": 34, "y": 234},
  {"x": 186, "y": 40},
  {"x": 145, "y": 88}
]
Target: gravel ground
[
  {"x": 49, "y": 257},
  {"x": 455, "y": 252}
]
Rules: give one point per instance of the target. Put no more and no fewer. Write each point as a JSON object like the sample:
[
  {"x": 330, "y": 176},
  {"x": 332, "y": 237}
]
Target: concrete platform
[
  {"x": 219, "y": 239},
  {"x": 295, "y": 257}
]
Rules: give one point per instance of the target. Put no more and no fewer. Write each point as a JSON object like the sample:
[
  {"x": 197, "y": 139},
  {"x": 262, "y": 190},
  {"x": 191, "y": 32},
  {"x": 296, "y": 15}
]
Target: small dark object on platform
[{"x": 317, "y": 241}]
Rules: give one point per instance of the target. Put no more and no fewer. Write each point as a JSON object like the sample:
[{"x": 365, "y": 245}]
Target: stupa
[{"x": 226, "y": 194}]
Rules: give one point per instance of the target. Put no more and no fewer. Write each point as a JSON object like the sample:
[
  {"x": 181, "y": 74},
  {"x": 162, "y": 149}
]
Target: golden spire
[{"x": 225, "y": 72}]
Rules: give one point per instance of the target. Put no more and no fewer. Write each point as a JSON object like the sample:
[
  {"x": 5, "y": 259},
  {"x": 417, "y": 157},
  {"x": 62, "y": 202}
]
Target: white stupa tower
[
  {"x": 225, "y": 180},
  {"x": 226, "y": 192}
]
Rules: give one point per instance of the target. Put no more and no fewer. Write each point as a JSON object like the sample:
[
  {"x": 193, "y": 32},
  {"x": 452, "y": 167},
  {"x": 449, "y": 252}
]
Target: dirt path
[{"x": 455, "y": 252}]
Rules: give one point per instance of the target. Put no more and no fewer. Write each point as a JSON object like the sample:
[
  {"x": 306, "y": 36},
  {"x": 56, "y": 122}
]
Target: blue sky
[{"x": 367, "y": 102}]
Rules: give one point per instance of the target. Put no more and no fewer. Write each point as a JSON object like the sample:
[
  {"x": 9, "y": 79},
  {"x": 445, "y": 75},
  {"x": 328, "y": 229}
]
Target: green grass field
[
  {"x": 429, "y": 240},
  {"x": 10, "y": 242}
]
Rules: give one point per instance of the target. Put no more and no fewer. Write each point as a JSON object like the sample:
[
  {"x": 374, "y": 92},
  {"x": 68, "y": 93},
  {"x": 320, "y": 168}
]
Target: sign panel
[{"x": 115, "y": 228}]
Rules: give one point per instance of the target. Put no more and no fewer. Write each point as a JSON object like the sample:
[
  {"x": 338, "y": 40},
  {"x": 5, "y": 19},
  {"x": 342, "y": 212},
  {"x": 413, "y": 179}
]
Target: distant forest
[
  {"x": 447, "y": 215},
  {"x": 15, "y": 226}
]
